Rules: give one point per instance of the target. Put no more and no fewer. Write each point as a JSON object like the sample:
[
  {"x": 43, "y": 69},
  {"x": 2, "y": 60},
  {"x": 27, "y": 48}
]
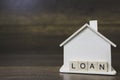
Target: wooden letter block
[
  {"x": 92, "y": 66},
  {"x": 103, "y": 66},
  {"x": 82, "y": 66},
  {"x": 73, "y": 65}
]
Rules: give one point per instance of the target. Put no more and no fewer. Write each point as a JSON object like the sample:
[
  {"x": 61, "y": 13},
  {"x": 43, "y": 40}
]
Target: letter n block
[
  {"x": 102, "y": 66},
  {"x": 73, "y": 66}
]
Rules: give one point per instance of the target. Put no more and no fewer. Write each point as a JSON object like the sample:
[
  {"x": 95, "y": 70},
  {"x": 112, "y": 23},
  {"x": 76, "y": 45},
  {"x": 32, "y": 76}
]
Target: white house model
[{"x": 87, "y": 51}]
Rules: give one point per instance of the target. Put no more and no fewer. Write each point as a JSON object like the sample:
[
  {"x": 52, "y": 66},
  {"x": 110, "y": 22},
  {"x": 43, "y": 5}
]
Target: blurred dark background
[{"x": 31, "y": 30}]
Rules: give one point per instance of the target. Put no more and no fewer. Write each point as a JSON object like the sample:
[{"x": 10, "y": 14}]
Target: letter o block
[{"x": 82, "y": 66}]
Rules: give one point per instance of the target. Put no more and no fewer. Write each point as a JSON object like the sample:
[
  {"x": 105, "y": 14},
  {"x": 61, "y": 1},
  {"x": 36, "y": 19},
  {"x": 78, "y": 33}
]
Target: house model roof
[{"x": 81, "y": 29}]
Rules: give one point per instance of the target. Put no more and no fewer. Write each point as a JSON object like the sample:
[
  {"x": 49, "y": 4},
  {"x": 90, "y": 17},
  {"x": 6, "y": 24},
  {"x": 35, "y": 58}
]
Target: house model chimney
[{"x": 93, "y": 24}]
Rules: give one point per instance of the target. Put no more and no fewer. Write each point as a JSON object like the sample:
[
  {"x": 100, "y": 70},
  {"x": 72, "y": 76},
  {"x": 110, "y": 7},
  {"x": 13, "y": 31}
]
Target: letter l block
[{"x": 73, "y": 66}]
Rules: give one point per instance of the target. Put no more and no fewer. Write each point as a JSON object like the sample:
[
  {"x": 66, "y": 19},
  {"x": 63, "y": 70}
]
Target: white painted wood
[
  {"x": 86, "y": 44},
  {"x": 93, "y": 24},
  {"x": 85, "y": 47},
  {"x": 80, "y": 30}
]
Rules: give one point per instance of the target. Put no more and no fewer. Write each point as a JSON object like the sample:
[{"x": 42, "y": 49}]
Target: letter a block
[{"x": 92, "y": 66}]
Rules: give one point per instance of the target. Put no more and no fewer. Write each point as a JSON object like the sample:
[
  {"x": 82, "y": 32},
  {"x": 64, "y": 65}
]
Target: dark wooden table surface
[
  {"x": 46, "y": 73},
  {"x": 35, "y": 66}
]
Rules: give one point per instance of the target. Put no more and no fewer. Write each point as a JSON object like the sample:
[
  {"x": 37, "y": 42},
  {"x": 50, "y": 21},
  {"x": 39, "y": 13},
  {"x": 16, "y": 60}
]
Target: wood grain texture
[
  {"x": 46, "y": 73},
  {"x": 46, "y": 70}
]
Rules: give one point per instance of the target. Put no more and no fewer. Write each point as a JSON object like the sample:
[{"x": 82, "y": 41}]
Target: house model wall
[{"x": 87, "y": 51}]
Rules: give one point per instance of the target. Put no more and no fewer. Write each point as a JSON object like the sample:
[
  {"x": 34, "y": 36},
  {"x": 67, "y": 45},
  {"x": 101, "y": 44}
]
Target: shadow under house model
[{"x": 87, "y": 51}]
